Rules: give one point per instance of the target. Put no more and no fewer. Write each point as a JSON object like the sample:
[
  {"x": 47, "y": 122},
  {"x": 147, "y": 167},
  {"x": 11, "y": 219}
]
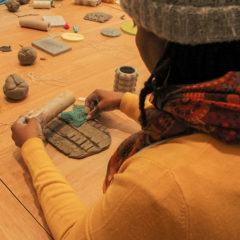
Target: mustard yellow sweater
[{"x": 186, "y": 188}]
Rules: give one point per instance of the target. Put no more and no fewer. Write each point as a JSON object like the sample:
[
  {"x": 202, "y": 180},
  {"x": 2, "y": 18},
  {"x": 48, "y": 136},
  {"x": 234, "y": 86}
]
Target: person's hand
[
  {"x": 102, "y": 100},
  {"x": 22, "y": 131}
]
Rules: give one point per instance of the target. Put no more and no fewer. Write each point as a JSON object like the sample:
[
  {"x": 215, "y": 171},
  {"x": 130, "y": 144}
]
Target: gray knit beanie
[{"x": 187, "y": 21}]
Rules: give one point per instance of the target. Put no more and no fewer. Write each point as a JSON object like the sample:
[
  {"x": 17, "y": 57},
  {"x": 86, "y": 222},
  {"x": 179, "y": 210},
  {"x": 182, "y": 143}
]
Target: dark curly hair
[{"x": 187, "y": 64}]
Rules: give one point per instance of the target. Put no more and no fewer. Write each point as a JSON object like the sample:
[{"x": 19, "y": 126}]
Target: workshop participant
[{"x": 188, "y": 186}]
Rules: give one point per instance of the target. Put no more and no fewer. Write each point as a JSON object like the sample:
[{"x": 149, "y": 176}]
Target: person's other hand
[
  {"x": 102, "y": 100},
  {"x": 22, "y": 131}
]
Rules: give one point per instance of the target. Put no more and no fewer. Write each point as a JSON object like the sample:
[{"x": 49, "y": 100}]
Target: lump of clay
[
  {"x": 22, "y": 2},
  {"x": 12, "y": 5},
  {"x": 15, "y": 87},
  {"x": 27, "y": 55},
  {"x": 98, "y": 17}
]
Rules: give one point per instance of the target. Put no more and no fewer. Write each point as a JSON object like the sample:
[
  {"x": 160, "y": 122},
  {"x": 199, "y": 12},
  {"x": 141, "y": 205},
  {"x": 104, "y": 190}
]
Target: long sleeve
[
  {"x": 191, "y": 192},
  {"x": 61, "y": 205},
  {"x": 130, "y": 105},
  {"x": 126, "y": 201}
]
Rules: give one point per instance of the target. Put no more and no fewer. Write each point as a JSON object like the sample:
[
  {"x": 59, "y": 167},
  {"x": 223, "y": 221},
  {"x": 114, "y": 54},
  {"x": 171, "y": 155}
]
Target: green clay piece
[
  {"x": 129, "y": 28},
  {"x": 76, "y": 117}
]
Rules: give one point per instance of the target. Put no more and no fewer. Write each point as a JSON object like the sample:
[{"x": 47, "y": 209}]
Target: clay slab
[
  {"x": 88, "y": 139},
  {"x": 51, "y": 46},
  {"x": 55, "y": 21},
  {"x": 97, "y": 17},
  {"x": 92, "y": 3},
  {"x": 110, "y": 32}
]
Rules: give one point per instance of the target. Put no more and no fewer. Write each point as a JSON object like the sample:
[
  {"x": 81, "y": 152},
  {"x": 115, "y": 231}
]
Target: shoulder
[{"x": 188, "y": 180}]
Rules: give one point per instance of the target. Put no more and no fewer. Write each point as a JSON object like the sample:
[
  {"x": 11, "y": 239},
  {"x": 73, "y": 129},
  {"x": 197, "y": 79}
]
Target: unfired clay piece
[
  {"x": 15, "y": 87},
  {"x": 92, "y": 3},
  {"x": 55, "y": 21},
  {"x": 54, "y": 107},
  {"x": 110, "y": 32},
  {"x": 12, "y": 5},
  {"x": 98, "y": 17},
  {"x": 125, "y": 79},
  {"x": 27, "y": 55},
  {"x": 51, "y": 46},
  {"x": 5, "y": 48},
  {"x": 90, "y": 138},
  {"x": 22, "y": 2}
]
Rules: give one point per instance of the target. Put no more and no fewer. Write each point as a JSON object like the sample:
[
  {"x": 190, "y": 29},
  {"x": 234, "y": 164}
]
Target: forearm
[
  {"x": 61, "y": 205},
  {"x": 130, "y": 105}
]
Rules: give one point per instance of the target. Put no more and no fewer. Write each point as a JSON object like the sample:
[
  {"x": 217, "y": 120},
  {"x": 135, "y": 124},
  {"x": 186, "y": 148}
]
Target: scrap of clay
[
  {"x": 5, "y": 48},
  {"x": 92, "y": 3},
  {"x": 22, "y": 2},
  {"x": 12, "y": 5},
  {"x": 90, "y": 138},
  {"x": 98, "y": 17},
  {"x": 15, "y": 87},
  {"x": 27, "y": 55},
  {"x": 110, "y": 32},
  {"x": 51, "y": 46}
]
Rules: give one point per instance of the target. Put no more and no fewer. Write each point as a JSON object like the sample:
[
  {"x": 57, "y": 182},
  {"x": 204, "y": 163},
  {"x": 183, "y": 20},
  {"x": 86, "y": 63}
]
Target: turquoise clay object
[
  {"x": 3, "y": 1},
  {"x": 76, "y": 117}
]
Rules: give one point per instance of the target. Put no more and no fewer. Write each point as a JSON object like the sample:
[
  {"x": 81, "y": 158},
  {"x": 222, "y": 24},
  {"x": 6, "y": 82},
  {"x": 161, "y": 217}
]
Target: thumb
[{"x": 33, "y": 122}]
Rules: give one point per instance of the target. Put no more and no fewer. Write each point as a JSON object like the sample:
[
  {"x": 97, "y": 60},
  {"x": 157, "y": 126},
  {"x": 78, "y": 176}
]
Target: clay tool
[
  {"x": 52, "y": 108},
  {"x": 82, "y": 99}
]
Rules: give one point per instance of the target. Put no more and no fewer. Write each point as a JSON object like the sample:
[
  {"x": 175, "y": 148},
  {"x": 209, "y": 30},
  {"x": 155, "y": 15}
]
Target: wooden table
[{"x": 89, "y": 65}]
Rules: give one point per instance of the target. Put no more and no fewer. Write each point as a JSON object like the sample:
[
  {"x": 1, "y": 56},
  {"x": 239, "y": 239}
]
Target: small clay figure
[
  {"x": 12, "y": 5},
  {"x": 27, "y": 55},
  {"x": 15, "y": 87},
  {"x": 22, "y": 2}
]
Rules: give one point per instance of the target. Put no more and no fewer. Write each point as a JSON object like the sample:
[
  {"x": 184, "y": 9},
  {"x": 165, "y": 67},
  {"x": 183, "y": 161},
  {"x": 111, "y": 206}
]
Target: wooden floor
[{"x": 89, "y": 65}]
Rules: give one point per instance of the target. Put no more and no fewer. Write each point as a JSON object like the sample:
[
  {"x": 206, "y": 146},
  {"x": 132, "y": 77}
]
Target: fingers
[
  {"x": 33, "y": 122},
  {"x": 42, "y": 118},
  {"x": 92, "y": 114}
]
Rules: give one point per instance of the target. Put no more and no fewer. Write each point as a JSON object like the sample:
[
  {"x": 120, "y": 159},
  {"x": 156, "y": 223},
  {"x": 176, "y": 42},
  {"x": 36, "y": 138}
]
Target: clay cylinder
[
  {"x": 41, "y": 4},
  {"x": 35, "y": 24},
  {"x": 54, "y": 107},
  {"x": 125, "y": 79}
]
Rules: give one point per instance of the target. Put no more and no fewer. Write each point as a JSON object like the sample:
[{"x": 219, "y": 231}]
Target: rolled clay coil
[
  {"x": 35, "y": 24},
  {"x": 41, "y": 4}
]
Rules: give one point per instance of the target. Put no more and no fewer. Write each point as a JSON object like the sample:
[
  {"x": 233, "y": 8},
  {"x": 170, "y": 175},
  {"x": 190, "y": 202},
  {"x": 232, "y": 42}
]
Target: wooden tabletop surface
[{"x": 89, "y": 65}]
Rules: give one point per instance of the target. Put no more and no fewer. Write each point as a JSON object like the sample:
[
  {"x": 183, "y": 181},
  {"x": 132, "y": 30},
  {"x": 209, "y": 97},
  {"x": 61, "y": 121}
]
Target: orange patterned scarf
[{"x": 210, "y": 107}]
